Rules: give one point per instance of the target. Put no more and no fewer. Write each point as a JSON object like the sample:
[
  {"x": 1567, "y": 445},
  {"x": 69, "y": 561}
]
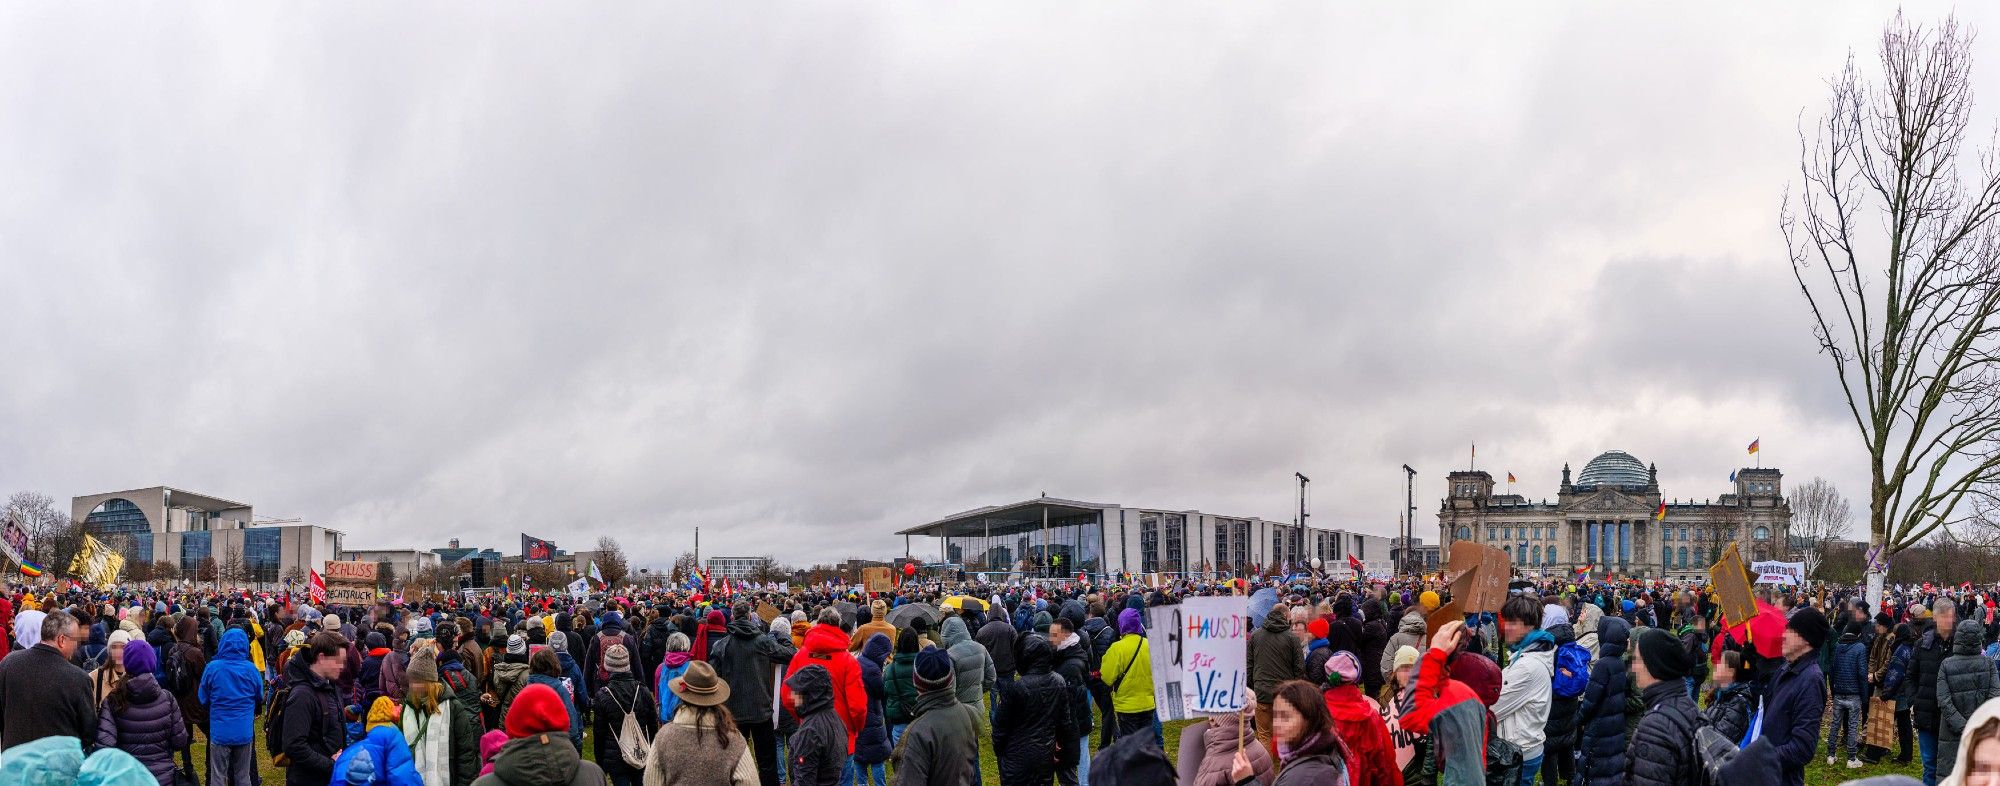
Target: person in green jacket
[
  {"x": 1128, "y": 668},
  {"x": 899, "y": 683}
]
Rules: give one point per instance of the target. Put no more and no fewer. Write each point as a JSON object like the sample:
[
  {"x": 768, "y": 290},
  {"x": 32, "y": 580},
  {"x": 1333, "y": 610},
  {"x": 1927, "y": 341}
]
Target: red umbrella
[{"x": 1765, "y": 631}]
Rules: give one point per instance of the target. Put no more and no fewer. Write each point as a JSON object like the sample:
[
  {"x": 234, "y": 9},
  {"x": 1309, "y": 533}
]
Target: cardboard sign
[
  {"x": 1215, "y": 636},
  {"x": 1480, "y": 574},
  {"x": 1732, "y": 587},
  {"x": 876, "y": 580},
  {"x": 350, "y": 572},
  {"x": 1446, "y": 613},
  {"x": 767, "y": 612},
  {"x": 350, "y": 595}
]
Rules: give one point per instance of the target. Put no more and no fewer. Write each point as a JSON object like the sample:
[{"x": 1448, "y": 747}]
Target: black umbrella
[{"x": 901, "y": 616}]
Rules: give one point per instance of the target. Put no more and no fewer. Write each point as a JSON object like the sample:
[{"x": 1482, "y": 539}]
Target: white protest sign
[
  {"x": 1787, "y": 573},
  {"x": 1215, "y": 635}
]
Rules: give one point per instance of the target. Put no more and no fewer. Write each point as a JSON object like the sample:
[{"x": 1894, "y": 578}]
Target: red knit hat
[
  {"x": 537, "y": 710},
  {"x": 1317, "y": 627}
]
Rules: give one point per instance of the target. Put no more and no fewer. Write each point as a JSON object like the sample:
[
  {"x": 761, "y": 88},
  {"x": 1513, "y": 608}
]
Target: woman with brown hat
[{"x": 701, "y": 744}]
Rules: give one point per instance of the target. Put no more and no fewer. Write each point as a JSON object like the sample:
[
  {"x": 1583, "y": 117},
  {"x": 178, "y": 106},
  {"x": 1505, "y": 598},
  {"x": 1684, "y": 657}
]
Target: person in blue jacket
[
  {"x": 231, "y": 691},
  {"x": 384, "y": 747},
  {"x": 545, "y": 669}
]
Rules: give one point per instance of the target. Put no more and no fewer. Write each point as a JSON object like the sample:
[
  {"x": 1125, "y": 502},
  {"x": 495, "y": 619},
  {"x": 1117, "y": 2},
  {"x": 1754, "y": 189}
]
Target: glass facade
[
  {"x": 123, "y": 525},
  {"x": 260, "y": 554},
  {"x": 1149, "y": 542},
  {"x": 1069, "y": 544},
  {"x": 1175, "y": 525},
  {"x": 195, "y": 547}
]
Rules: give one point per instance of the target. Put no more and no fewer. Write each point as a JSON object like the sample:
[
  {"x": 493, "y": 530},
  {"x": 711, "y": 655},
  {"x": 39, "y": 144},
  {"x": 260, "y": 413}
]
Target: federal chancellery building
[{"x": 1605, "y": 519}]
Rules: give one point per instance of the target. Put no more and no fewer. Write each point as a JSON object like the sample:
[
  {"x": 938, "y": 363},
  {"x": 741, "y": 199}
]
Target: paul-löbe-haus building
[{"x": 1605, "y": 519}]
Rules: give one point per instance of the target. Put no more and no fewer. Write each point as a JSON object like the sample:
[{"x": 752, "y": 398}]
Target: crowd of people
[{"x": 1348, "y": 682}]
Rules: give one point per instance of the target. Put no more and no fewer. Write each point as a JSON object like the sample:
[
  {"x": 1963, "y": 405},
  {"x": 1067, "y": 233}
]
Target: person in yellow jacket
[
  {"x": 1127, "y": 667},
  {"x": 257, "y": 650}
]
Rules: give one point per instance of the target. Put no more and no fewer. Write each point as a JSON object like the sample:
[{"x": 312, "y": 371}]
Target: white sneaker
[
  {"x": 1854, "y": 764},
  {"x": 1831, "y": 760}
]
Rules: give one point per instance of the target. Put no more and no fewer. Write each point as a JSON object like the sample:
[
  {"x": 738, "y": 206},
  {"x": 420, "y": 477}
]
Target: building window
[
  {"x": 1552, "y": 555},
  {"x": 1509, "y": 549},
  {"x": 1176, "y": 553},
  {"x": 1149, "y": 542},
  {"x": 1492, "y": 533},
  {"x": 260, "y": 554},
  {"x": 1535, "y": 557},
  {"x": 1464, "y": 533},
  {"x": 1762, "y": 533},
  {"x": 1684, "y": 556},
  {"x": 194, "y": 548}
]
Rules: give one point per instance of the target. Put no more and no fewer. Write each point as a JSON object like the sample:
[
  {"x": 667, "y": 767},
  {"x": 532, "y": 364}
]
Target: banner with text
[
  {"x": 1198, "y": 656},
  {"x": 1788, "y": 573},
  {"x": 13, "y": 540}
]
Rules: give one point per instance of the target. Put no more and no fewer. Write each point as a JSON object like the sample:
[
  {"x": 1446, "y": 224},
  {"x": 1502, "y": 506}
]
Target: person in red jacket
[
  {"x": 1449, "y": 711},
  {"x": 1371, "y": 754},
  {"x": 825, "y": 645}
]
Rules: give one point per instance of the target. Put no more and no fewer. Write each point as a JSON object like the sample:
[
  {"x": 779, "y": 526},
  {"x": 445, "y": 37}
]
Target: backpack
[
  {"x": 604, "y": 642},
  {"x": 175, "y": 674},
  {"x": 1714, "y": 752},
  {"x": 630, "y": 737},
  {"x": 274, "y": 723},
  {"x": 1572, "y": 672}
]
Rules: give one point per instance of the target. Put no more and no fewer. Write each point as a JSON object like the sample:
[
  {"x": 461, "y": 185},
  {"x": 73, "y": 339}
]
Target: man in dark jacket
[
  {"x": 1072, "y": 655},
  {"x": 1034, "y": 731},
  {"x": 1797, "y": 701},
  {"x": 1602, "y": 713},
  {"x": 1849, "y": 682},
  {"x": 744, "y": 659},
  {"x": 1101, "y": 633},
  {"x": 43, "y": 694},
  {"x": 1374, "y": 636},
  {"x": 1933, "y": 645},
  {"x": 1965, "y": 681},
  {"x": 941, "y": 747},
  {"x": 312, "y": 729},
  {"x": 1559, "y": 733},
  {"x": 817, "y": 753},
  {"x": 1662, "y": 750},
  {"x": 997, "y": 636},
  {"x": 1276, "y": 655}
]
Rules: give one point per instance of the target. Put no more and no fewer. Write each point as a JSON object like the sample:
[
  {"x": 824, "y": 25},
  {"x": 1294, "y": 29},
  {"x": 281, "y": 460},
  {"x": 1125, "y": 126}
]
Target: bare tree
[
  {"x": 234, "y": 571},
  {"x": 1820, "y": 516},
  {"x": 53, "y": 540},
  {"x": 138, "y": 571},
  {"x": 684, "y": 566},
  {"x": 385, "y": 575},
  {"x": 166, "y": 570},
  {"x": 611, "y": 561},
  {"x": 1896, "y": 247},
  {"x": 768, "y": 569},
  {"x": 207, "y": 571},
  {"x": 295, "y": 575}
]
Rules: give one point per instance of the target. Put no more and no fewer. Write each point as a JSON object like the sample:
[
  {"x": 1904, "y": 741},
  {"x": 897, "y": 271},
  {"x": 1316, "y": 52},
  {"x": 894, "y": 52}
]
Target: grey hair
[
  {"x": 58, "y": 623},
  {"x": 677, "y": 642},
  {"x": 829, "y": 616},
  {"x": 1944, "y": 606}
]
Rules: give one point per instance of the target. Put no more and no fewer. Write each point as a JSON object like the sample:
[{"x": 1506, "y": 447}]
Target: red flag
[
  {"x": 1354, "y": 563},
  {"x": 315, "y": 588}
]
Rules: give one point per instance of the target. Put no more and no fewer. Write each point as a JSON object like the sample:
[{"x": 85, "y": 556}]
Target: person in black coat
[
  {"x": 1797, "y": 700},
  {"x": 313, "y": 731},
  {"x": 1072, "y": 662},
  {"x": 1034, "y": 730},
  {"x": 619, "y": 695},
  {"x": 1602, "y": 713},
  {"x": 1933, "y": 646},
  {"x": 1559, "y": 732},
  {"x": 1374, "y": 637},
  {"x": 997, "y": 636},
  {"x": 816, "y": 754},
  {"x": 1729, "y": 709},
  {"x": 743, "y": 659},
  {"x": 1662, "y": 750},
  {"x": 42, "y": 693}
]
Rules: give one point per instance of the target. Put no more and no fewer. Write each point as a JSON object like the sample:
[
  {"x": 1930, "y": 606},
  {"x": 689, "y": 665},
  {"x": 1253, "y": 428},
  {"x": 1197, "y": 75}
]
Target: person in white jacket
[{"x": 1525, "y": 682}]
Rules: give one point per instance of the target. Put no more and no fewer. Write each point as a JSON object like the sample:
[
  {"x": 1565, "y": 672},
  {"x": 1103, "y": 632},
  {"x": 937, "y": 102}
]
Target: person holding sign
[
  {"x": 1310, "y": 751},
  {"x": 1449, "y": 711}
]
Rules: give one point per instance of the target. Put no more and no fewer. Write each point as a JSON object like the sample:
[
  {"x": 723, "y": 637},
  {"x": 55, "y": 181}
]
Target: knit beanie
[
  {"x": 141, "y": 658},
  {"x": 1429, "y": 600},
  {"x": 517, "y": 644},
  {"x": 559, "y": 643},
  {"x": 1810, "y": 625},
  {"x": 1663, "y": 654},
  {"x": 1406, "y": 655},
  {"x": 537, "y": 710},
  {"x": 1342, "y": 669},
  {"x": 878, "y": 610},
  {"x": 118, "y": 637},
  {"x": 616, "y": 659},
  {"x": 423, "y": 666},
  {"x": 385, "y": 712},
  {"x": 934, "y": 671}
]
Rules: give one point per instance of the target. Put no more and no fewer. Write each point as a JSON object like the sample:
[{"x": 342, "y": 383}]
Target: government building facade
[{"x": 1605, "y": 520}]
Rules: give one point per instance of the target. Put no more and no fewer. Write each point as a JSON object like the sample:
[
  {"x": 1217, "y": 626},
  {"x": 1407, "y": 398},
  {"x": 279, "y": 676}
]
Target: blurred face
[
  {"x": 1403, "y": 674},
  {"x": 1946, "y": 620},
  {"x": 329, "y": 666},
  {"x": 118, "y": 655},
  {"x": 1640, "y": 675},
  {"x": 1985, "y": 763},
  {"x": 1286, "y": 723},
  {"x": 1723, "y": 674},
  {"x": 1792, "y": 646}
]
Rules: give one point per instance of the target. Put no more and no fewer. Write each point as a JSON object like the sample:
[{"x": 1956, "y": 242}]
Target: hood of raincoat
[
  {"x": 812, "y": 686},
  {"x": 1612, "y": 633},
  {"x": 1130, "y": 624},
  {"x": 954, "y": 631}
]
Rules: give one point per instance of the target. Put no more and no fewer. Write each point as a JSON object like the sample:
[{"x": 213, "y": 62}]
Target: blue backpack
[{"x": 1572, "y": 672}]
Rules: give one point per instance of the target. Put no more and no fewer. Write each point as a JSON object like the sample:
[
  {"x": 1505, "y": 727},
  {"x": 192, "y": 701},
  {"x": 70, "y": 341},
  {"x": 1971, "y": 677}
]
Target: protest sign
[
  {"x": 876, "y": 580},
  {"x": 344, "y": 572},
  {"x": 1215, "y": 635},
  {"x": 1479, "y": 576},
  {"x": 1787, "y": 573},
  {"x": 767, "y": 612},
  {"x": 350, "y": 595},
  {"x": 1732, "y": 587},
  {"x": 1163, "y": 639},
  {"x": 13, "y": 540}
]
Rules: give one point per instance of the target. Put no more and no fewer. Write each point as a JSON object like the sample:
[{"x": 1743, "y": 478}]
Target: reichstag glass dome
[{"x": 1614, "y": 468}]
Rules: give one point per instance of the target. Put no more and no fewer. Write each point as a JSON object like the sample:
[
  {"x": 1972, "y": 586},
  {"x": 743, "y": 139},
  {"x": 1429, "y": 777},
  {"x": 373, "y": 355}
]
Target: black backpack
[
  {"x": 274, "y": 723},
  {"x": 1503, "y": 758},
  {"x": 177, "y": 678}
]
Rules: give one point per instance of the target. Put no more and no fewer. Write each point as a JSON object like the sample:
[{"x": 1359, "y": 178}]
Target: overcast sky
[{"x": 804, "y": 275}]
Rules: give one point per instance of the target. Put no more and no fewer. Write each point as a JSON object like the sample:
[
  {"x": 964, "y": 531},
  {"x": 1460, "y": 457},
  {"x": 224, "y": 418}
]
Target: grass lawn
[{"x": 1817, "y": 774}]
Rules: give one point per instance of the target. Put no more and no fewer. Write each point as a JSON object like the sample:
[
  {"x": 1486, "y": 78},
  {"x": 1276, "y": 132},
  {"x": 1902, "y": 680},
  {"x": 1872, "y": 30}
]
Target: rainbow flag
[
  {"x": 1584, "y": 570},
  {"x": 32, "y": 570}
]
